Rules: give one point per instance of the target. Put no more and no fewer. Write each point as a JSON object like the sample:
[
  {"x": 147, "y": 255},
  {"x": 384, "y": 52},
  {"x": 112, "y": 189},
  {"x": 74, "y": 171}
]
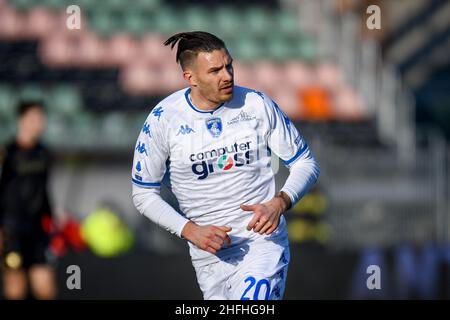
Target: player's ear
[{"x": 189, "y": 76}]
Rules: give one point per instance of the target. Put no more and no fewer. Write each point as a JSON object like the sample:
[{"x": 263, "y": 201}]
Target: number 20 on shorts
[{"x": 258, "y": 285}]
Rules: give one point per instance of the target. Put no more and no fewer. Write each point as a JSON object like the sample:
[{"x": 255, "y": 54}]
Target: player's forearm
[
  {"x": 149, "y": 203},
  {"x": 303, "y": 175},
  {"x": 285, "y": 202}
]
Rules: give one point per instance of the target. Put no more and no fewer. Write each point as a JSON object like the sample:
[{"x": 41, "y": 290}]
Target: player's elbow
[
  {"x": 315, "y": 169},
  {"x": 141, "y": 198}
]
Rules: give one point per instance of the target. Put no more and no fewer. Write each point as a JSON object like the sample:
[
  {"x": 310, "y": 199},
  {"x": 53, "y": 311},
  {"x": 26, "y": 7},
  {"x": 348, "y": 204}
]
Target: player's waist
[{"x": 241, "y": 242}]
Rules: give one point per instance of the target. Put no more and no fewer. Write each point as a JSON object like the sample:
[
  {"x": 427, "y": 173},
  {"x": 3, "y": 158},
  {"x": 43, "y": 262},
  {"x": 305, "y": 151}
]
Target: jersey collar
[{"x": 186, "y": 95}]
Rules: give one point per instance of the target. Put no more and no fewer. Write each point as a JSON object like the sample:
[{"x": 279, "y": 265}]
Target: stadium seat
[
  {"x": 286, "y": 22},
  {"x": 54, "y": 4},
  {"x": 305, "y": 48},
  {"x": 114, "y": 129},
  {"x": 167, "y": 21},
  {"x": 8, "y": 101},
  {"x": 84, "y": 126},
  {"x": 64, "y": 100},
  {"x": 247, "y": 48},
  {"x": 31, "y": 92},
  {"x": 279, "y": 48},
  {"x": 136, "y": 23},
  {"x": 256, "y": 21},
  {"x": 227, "y": 21},
  {"x": 22, "y": 4},
  {"x": 105, "y": 23},
  {"x": 146, "y": 5},
  {"x": 197, "y": 18}
]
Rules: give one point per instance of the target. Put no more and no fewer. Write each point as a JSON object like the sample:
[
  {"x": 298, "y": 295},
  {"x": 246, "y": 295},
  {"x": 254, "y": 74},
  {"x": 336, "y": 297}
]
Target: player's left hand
[{"x": 266, "y": 215}]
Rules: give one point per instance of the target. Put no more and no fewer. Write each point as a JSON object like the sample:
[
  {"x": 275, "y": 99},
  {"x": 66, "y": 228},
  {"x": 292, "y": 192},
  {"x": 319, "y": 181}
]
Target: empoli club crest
[{"x": 214, "y": 126}]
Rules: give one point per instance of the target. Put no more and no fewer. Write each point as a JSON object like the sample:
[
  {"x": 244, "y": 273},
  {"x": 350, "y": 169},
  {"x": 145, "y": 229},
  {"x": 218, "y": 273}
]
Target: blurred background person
[{"x": 25, "y": 209}]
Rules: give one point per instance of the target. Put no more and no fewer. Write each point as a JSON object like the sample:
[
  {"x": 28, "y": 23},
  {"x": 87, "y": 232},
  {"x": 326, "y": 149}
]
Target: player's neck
[{"x": 201, "y": 102}]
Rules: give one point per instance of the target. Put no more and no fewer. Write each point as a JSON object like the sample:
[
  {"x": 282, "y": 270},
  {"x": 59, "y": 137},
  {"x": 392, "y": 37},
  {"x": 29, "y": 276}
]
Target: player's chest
[{"x": 211, "y": 137}]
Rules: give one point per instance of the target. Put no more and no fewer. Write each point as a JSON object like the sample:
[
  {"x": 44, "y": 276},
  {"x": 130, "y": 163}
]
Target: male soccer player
[
  {"x": 23, "y": 204},
  {"x": 215, "y": 139}
]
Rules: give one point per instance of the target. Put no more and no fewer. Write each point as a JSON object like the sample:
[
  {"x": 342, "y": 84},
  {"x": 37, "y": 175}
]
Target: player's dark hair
[
  {"x": 24, "y": 106},
  {"x": 191, "y": 43}
]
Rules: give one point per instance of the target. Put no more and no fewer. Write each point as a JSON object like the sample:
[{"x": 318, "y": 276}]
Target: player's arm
[
  {"x": 289, "y": 145},
  {"x": 149, "y": 167}
]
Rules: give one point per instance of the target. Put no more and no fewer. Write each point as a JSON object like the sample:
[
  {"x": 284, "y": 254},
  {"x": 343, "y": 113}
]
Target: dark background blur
[{"x": 374, "y": 106}]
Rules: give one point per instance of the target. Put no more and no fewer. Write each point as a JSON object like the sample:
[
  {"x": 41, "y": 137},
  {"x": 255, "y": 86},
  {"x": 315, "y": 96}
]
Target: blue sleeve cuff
[{"x": 146, "y": 184}]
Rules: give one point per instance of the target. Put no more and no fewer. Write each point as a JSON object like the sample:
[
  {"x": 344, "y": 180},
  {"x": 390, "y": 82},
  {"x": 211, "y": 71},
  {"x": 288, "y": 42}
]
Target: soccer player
[
  {"x": 23, "y": 204},
  {"x": 215, "y": 141}
]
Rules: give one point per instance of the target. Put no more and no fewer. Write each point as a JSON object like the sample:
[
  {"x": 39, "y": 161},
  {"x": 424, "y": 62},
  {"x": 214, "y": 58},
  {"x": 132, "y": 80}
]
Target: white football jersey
[{"x": 217, "y": 160}]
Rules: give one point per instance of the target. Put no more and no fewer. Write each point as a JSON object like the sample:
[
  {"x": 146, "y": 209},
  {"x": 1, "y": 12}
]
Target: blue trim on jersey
[
  {"x": 186, "y": 95},
  {"x": 146, "y": 184},
  {"x": 297, "y": 155}
]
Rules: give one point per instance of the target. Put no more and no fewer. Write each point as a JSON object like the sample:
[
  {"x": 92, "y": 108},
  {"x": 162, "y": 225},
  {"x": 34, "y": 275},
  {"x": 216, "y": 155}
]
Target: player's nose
[{"x": 228, "y": 76}]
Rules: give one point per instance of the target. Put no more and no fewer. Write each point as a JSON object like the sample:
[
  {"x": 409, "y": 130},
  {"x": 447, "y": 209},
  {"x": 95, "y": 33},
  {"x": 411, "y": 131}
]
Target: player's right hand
[{"x": 208, "y": 238}]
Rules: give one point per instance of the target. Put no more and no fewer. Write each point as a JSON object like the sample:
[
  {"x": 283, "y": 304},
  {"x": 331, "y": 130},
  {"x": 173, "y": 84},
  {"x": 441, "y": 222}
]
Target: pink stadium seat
[
  {"x": 329, "y": 76},
  {"x": 266, "y": 73},
  {"x": 11, "y": 24},
  {"x": 40, "y": 22},
  {"x": 243, "y": 75},
  {"x": 121, "y": 49},
  {"x": 151, "y": 48},
  {"x": 91, "y": 51},
  {"x": 298, "y": 74},
  {"x": 56, "y": 50},
  {"x": 288, "y": 102},
  {"x": 172, "y": 78},
  {"x": 136, "y": 79},
  {"x": 347, "y": 104}
]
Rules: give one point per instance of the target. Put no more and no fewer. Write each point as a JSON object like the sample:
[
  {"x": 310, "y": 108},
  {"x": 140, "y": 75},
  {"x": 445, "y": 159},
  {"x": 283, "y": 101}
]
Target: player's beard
[{"x": 226, "y": 96}]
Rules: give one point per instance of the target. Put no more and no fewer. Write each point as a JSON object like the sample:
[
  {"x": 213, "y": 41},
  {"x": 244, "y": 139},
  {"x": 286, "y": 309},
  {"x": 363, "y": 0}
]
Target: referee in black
[{"x": 25, "y": 209}]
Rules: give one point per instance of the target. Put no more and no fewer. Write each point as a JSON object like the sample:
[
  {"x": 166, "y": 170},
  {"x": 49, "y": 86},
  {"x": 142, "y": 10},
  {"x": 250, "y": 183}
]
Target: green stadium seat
[
  {"x": 31, "y": 92},
  {"x": 89, "y": 5},
  {"x": 247, "y": 48},
  {"x": 256, "y": 21},
  {"x": 286, "y": 22},
  {"x": 57, "y": 131},
  {"x": 23, "y": 4},
  {"x": 136, "y": 23},
  {"x": 114, "y": 127},
  {"x": 279, "y": 48},
  {"x": 196, "y": 18},
  {"x": 65, "y": 101},
  {"x": 114, "y": 5},
  {"x": 85, "y": 127},
  {"x": 55, "y": 4},
  {"x": 146, "y": 5},
  {"x": 167, "y": 21},
  {"x": 227, "y": 22},
  {"x": 306, "y": 48},
  {"x": 105, "y": 23},
  {"x": 8, "y": 102}
]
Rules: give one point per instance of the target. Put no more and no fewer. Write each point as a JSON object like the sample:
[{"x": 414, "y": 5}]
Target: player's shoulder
[
  {"x": 250, "y": 95},
  {"x": 166, "y": 109}
]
